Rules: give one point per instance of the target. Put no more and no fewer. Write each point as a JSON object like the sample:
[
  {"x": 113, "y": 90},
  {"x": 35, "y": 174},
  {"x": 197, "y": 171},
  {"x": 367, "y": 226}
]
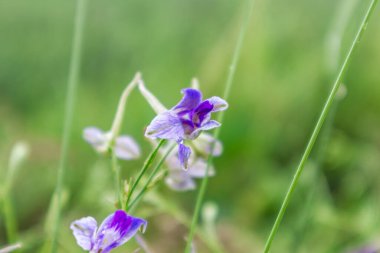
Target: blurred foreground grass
[{"x": 288, "y": 63}]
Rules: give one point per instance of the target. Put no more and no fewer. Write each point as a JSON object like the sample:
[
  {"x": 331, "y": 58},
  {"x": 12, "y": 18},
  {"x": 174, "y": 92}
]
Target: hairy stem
[
  {"x": 318, "y": 126},
  {"x": 227, "y": 90}
]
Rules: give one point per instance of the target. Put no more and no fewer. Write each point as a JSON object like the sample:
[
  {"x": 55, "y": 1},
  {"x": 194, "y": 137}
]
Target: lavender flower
[
  {"x": 115, "y": 230},
  {"x": 125, "y": 147},
  {"x": 186, "y": 121}
]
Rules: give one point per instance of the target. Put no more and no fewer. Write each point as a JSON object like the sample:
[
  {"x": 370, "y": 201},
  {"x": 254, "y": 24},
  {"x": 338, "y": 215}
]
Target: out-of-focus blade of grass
[
  {"x": 56, "y": 202},
  {"x": 227, "y": 90},
  {"x": 333, "y": 50},
  {"x": 325, "y": 111},
  {"x": 19, "y": 153}
]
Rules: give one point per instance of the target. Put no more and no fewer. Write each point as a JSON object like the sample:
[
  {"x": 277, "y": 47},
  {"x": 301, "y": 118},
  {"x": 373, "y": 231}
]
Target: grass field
[{"x": 290, "y": 58}]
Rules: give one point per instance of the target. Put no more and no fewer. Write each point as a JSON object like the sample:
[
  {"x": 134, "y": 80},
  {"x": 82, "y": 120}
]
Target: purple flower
[
  {"x": 125, "y": 147},
  {"x": 115, "y": 230},
  {"x": 186, "y": 121}
]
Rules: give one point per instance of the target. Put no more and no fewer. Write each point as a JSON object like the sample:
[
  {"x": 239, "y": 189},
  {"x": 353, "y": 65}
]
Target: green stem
[
  {"x": 227, "y": 90},
  {"x": 318, "y": 126},
  {"x": 151, "y": 177},
  {"x": 117, "y": 178},
  {"x": 69, "y": 109},
  {"x": 10, "y": 219},
  {"x": 147, "y": 163},
  {"x": 18, "y": 155}
]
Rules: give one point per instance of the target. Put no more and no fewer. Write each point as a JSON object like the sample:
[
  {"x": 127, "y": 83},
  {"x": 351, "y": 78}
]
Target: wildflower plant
[
  {"x": 185, "y": 121},
  {"x": 184, "y": 147}
]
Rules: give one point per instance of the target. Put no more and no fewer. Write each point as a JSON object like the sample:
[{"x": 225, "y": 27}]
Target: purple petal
[
  {"x": 96, "y": 138},
  {"x": 117, "y": 229},
  {"x": 207, "y": 126},
  {"x": 126, "y": 148},
  {"x": 191, "y": 99},
  {"x": 202, "y": 112},
  {"x": 210, "y": 125},
  {"x": 84, "y": 232},
  {"x": 218, "y": 104},
  {"x": 166, "y": 125},
  {"x": 198, "y": 169},
  {"x": 183, "y": 155},
  {"x": 204, "y": 142},
  {"x": 180, "y": 181}
]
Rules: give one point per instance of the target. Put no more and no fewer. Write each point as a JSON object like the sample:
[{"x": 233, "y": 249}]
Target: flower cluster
[
  {"x": 203, "y": 146},
  {"x": 186, "y": 121},
  {"x": 182, "y": 125}
]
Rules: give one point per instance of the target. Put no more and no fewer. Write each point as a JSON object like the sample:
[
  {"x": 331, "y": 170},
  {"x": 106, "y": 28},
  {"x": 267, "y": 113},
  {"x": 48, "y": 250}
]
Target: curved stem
[
  {"x": 151, "y": 177},
  {"x": 147, "y": 163},
  {"x": 227, "y": 90},
  {"x": 116, "y": 124},
  {"x": 318, "y": 126}
]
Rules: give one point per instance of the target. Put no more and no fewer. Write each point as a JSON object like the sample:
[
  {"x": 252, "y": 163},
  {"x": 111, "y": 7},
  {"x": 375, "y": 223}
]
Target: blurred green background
[{"x": 288, "y": 63}]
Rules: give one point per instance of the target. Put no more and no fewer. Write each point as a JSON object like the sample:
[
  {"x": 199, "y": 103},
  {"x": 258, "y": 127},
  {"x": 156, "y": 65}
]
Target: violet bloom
[
  {"x": 186, "y": 121},
  {"x": 115, "y": 230}
]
